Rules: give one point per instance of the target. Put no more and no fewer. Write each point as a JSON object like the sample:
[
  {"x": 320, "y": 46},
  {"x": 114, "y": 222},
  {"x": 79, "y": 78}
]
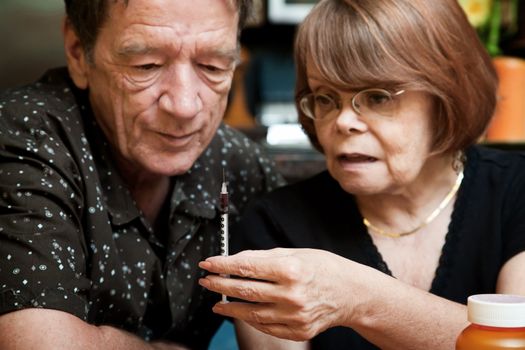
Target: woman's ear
[{"x": 75, "y": 55}]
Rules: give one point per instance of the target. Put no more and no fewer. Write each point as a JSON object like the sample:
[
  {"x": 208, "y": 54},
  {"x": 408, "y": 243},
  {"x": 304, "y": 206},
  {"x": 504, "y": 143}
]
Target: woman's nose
[
  {"x": 180, "y": 92},
  {"x": 348, "y": 121}
]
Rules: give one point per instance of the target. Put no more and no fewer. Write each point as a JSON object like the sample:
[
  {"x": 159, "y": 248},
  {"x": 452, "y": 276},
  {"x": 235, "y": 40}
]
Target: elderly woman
[{"x": 411, "y": 217}]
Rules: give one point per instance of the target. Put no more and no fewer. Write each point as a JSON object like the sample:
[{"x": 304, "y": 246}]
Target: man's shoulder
[
  {"x": 40, "y": 106},
  {"x": 320, "y": 185},
  {"x": 54, "y": 86},
  {"x": 43, "y": 121},
  {"x": 233, "y": 148},
  {"x": 233, "y": 139}
]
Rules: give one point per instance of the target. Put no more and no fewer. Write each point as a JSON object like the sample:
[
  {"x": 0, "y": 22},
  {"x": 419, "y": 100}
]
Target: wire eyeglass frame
[{"x": 310, "y": 103}]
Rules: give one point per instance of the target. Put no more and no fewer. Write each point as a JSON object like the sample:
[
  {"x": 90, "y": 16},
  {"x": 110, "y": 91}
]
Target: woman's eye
[
  {"x": 377, "y": 99},
  {"x": 323, "y": 100}
]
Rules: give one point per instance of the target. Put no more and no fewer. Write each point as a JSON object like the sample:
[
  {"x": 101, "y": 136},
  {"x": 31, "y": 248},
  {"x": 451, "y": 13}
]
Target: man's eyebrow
[
  {"x": 135, "y": 49},
  {"x": 232, "y": 55},
  {"x": 140, "y": 48}
]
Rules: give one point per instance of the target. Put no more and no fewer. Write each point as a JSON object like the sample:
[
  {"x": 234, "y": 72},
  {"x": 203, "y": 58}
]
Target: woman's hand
[
  {"x": 294, "y": 293},
  {"x": 298, "y": 293}
]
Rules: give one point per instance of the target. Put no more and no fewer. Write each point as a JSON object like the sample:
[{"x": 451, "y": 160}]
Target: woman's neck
[{"x": 411, "y": 205}]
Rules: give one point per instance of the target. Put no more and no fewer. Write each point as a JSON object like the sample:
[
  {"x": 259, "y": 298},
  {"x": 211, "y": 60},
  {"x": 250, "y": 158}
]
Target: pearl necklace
[{"x": 428, "y": 220}]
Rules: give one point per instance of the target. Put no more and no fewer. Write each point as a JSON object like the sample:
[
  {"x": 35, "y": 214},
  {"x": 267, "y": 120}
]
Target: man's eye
[
  {"x": 147, "y": 67},
  {"x": 215, "y": 73},
  {"x": 212, "y": 69}
]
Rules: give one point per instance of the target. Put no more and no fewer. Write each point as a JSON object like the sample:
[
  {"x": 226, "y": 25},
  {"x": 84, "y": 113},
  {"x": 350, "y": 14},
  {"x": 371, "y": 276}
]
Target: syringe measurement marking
[{"x": 224, "y": 226}]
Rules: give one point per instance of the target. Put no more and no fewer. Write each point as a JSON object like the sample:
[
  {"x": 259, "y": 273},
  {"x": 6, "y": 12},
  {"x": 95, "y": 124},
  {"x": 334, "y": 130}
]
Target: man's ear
[{"x": 75, "y": 55}]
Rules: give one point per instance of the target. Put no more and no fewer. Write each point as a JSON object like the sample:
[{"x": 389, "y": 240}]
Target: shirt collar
[
  {"x": 120, "y": 204},
  {"x": 195, "y": 193}
]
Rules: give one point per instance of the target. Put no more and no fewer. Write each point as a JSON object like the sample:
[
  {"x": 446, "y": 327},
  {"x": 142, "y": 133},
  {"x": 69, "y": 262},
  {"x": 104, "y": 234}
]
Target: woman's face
[{"x": 369, "y": 154}]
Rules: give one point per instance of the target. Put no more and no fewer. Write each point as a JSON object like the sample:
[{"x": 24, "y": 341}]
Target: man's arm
[{"x": 52, "y": 329}]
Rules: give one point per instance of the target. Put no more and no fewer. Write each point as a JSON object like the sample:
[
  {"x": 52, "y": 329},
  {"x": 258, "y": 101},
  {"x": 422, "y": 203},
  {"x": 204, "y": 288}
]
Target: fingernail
[
  {"x": 217, "y": 308},
  {"x": 205, "y": 265},
  {"x": 204, "y": 282}
]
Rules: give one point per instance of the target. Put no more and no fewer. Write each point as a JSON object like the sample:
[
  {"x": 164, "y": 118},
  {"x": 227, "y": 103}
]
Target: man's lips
[
  {"x": 175, "y": 136},
  {"x": 176, "y": 139}
]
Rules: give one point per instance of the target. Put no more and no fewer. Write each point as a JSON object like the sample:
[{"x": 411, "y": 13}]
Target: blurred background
[{"x": 30, "y": 39}]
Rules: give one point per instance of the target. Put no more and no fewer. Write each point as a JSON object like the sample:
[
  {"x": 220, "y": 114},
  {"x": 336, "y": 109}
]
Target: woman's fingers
[
  {"x": 247, "y": 267},
  {"x": 260, "y": 313},
  {"x": 285, "y": 331},
  {"x": 273, "y": 265},
  {"x": 270, "y": 319},
  {"x": 290, "y": 293},
  {"x": 249, "y": 290},
  {"x": 257, "y": 313}
]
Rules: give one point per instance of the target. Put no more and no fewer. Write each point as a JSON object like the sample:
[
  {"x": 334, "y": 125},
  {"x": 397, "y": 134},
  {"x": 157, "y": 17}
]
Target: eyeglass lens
[
  {"x": 368, "y": 102},
  {"x": 373, "y": 101}
]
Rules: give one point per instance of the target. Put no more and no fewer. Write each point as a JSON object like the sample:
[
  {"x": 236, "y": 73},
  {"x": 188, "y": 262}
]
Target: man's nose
[{"x": 180, "y": 92}]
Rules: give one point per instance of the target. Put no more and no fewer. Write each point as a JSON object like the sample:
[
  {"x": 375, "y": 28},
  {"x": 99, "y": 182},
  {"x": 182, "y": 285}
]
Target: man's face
[{"x": 160, "y": 77}]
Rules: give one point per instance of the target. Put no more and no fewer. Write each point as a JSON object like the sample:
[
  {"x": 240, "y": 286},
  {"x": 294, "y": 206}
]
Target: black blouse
[
  {"x": 72, "y": 238},
  {"x": 486, "y": 230}
]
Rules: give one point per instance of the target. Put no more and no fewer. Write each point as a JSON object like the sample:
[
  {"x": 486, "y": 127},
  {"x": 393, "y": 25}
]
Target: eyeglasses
[{"x": 367, "y": 102}]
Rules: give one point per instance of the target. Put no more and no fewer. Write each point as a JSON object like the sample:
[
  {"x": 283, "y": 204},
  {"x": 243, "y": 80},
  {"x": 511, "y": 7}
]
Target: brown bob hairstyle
[{"x": 424, "y": 45}]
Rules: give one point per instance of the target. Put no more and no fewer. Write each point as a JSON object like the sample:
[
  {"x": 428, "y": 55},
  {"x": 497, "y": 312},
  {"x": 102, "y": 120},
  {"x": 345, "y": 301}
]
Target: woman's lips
[
  {"x": 356, "y": 158},
  {"x": 355, "y": 162}
]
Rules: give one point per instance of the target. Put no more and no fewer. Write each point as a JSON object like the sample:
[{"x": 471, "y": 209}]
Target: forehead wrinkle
[
  {"x": 135, "y": 49},
  {"x": 213, "y": 46},
  {"x": 143, "y": 38},
  {"x": 136, "y": 39}
]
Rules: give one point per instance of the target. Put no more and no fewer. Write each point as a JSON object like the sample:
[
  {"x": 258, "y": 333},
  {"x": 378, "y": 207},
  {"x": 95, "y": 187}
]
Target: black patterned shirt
[{"x": 72, "y": 238}]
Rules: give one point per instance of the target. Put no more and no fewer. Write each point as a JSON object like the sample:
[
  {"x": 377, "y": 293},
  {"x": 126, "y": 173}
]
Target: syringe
[{"x": 224, "y": 223}]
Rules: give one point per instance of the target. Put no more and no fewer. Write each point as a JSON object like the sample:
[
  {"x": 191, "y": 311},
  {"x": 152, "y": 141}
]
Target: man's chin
[{"x": 170, "y": 167}]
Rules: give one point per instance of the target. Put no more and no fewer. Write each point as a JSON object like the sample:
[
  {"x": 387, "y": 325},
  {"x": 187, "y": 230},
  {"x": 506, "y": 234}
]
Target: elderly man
[{"x": 110, "y": 175}]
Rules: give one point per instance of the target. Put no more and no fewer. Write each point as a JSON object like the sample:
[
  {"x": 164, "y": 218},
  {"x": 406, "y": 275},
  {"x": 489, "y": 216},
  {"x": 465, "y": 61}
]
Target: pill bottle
[{"x": 497, "y": 321}]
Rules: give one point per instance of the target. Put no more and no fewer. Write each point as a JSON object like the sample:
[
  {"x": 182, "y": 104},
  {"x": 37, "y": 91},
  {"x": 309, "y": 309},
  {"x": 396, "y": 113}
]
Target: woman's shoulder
[
  {"x": 499, "y": 157},
  {"x": 495, "y": 162},
  {"x": 308, "y": 199},
  {"x": 316, "y": 186},
  {"x": 495, "y": 173}
]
